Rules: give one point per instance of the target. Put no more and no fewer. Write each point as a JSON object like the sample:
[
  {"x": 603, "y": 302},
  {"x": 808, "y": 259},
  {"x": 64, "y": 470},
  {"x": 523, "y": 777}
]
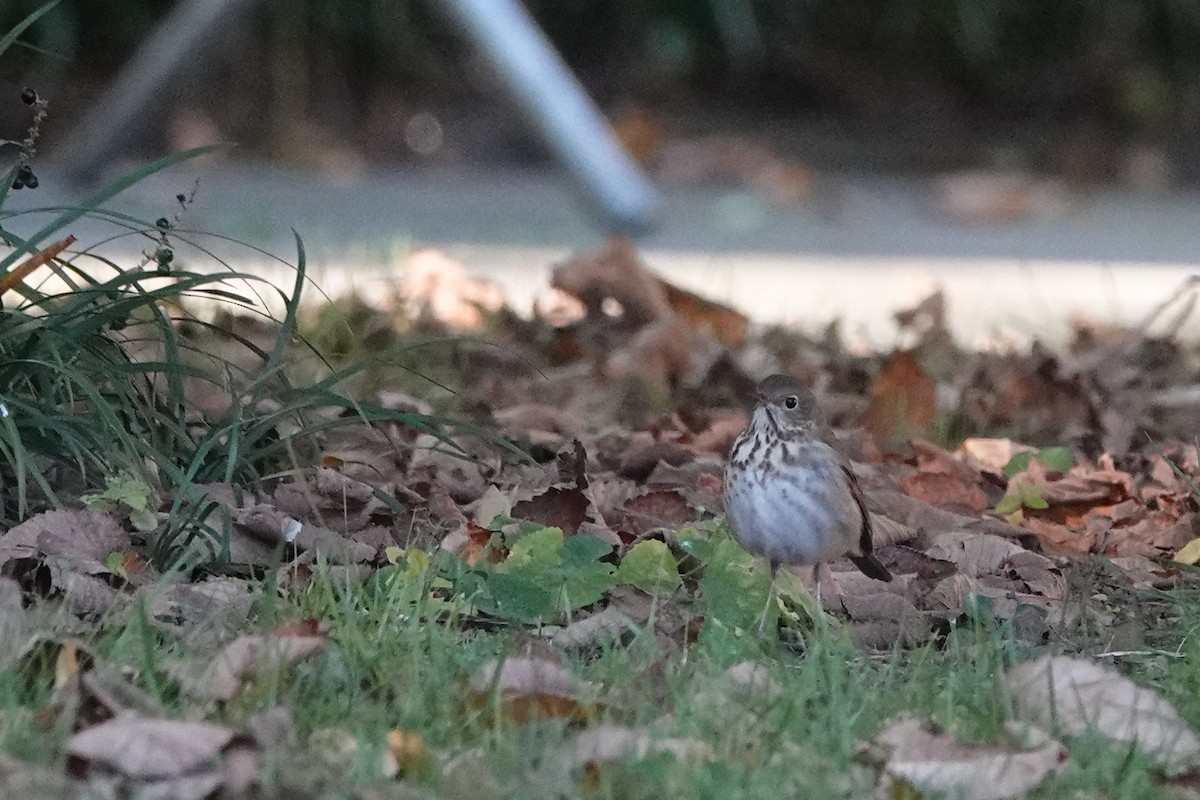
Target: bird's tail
[{"x": 871, "y": 567}]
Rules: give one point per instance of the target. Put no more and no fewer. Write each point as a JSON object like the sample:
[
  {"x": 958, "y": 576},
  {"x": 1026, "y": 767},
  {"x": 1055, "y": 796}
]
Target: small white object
[{"x": 291, "y": 529}]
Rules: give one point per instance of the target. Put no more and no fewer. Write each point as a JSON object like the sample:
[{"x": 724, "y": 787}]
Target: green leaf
[
  {"x": 125, "y": 488},
  {"x": 518, "y": 597},
  {"x": 538, "y": 552},
  {"x": 1018, "y": 463},
  {"x": 582, "y": 550},
  {"x": 1034, "y": 498},
  {"x": 1057, "y": 458},
  {"x": 1008, "y": 504},
  {"x": 734, "y": 592},
  {"x": 116, "y": 563},
  {"x": 585, "y": 577},
  {"x": 650, "y": 566},
  {"x": 587, "y": 584}
]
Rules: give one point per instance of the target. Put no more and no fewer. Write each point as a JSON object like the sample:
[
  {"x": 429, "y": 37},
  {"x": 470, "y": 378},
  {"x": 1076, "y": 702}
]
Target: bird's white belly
[{"x": 785, "y": 521}]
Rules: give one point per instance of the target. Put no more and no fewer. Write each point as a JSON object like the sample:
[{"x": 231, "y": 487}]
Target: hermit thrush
[{"x": 789, "y": 496}]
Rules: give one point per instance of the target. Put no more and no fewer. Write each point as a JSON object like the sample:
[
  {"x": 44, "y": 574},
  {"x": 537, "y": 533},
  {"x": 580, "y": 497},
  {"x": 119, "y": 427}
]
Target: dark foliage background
[{"x": 1119, "y": 69}]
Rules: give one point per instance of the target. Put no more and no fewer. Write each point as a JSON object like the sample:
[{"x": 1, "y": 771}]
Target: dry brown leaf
[
  {"x": 439, "y": 286},
  {"x": 1156, "y": 535},
  {"x": 880, "y": 619},
  {"x": 903, "y": 399},
  {"x": 565, "y": 508},
  {"x": 84, "y": 538},
  {"x": 1055, "y": 538},
  {"x": 975, "y": 554},
  {"x": 151, "y": 748},
  {"x": 661, "y": 508},
  {"x": 529, "y": 687},
  {"x": 247, "y": 658},
  {"x": 931, "y": 458},
  {"x": 614, "y": 272},
  {"x": 728, "y": 326},
  {"x": 937, "y": 763},
  {"x": 946, "y": 490},
  {"x": 44, "y": 256},
  {"x": 1074, "y": 695},
  {"x": 1189, "y": 553},
  {"x": 73, "y": 659},
  {"x": 410, "y": 751}
]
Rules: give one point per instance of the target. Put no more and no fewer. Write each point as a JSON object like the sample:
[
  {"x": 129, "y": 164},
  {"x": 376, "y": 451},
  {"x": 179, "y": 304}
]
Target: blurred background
[
  {"x": 1078, "y": 88},
  {"x": 934, "y": 141}
]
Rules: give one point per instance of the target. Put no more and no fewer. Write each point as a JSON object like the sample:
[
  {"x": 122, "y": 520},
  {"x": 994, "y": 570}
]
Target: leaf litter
[{"x": 622, "y": 398}]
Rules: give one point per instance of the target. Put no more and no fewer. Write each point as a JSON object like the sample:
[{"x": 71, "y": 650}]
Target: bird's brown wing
[{"x": 867, "y": 562}]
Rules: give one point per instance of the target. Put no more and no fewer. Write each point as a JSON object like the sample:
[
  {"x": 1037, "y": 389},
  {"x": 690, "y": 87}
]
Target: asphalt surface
[{"x": 863, "y": 247}]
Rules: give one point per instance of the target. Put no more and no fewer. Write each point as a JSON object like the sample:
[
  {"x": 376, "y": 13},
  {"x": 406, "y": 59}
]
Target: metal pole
[{"x": 550, "y": 96}]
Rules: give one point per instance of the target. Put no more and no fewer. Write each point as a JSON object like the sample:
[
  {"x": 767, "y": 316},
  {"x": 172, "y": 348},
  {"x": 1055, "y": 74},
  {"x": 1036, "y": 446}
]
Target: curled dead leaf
[
  {"x": 1075, "y": 695},
  {"x": 903, "y": 399},
  {"x": 936, "y": 762},
  {"x": 247, "y": 658},
  {"x": 151, "y": 748},
  {"x": 530, "y": 687}
]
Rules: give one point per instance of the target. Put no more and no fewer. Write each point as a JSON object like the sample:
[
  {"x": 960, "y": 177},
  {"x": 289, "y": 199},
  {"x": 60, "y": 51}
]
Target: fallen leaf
[
  {"x": 903, "y": 399},
  {"x": 1056, "y": 538},
  {"x": 439, "y": 286},
  {"x": 991, "y": 454},
  {"x": 727, "y": 325},
  {"x": 151, "y": 748},
  {"x": 529, "y": 687},
  {"x": 1189, "y": 553},
  {"x": 410, "y": 751},
  {"x": 946, "y": 490},
  {"x": 975, "y": 553},
  {"x": 247, "y": 658},
  {"x": 1074, "y": 695},
  {"x": 935, "y": 762},
  {"x": 655, "y": 509}
]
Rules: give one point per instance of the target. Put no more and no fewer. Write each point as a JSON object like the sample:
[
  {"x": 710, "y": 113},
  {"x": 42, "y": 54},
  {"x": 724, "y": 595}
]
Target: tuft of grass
[{"x": 390, "y": 665}]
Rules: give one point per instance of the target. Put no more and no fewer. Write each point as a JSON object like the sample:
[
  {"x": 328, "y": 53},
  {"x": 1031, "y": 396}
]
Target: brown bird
[{"x": 789, "y": 496}]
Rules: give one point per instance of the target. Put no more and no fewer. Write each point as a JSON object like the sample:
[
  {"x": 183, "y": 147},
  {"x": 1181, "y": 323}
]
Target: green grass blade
[
  {"x": 89, "y": 203},
  {"x": 7, "y": 40}
]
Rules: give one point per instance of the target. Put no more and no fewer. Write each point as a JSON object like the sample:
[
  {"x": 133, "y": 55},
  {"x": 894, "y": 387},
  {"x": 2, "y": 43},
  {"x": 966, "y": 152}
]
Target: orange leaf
[
  {"x": 38, "y": 259},
  {"x": 903, "y": 399}
]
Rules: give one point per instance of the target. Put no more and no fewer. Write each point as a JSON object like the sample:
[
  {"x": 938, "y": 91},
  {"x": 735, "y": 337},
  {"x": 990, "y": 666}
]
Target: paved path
[{"x": 878, "y": 248}]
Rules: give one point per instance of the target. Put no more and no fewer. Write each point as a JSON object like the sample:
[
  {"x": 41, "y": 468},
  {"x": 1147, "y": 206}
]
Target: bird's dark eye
[{"x": 791, "y": 402}]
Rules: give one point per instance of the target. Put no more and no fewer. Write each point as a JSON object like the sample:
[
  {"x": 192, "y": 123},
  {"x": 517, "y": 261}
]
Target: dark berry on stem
[
  {"x": 163, "y": 223},
  {"x": 32, "y": 182},
  {"x": 29, "y": 96},
  {"x": 180, "y": 198}
]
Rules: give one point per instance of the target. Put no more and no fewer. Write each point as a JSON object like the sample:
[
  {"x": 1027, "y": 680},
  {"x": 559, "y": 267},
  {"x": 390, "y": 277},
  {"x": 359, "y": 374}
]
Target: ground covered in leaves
[{"x": 526, "y": 588}]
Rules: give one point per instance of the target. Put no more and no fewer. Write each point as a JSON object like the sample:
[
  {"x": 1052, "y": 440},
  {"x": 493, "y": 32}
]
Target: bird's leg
[
  {"x": 817, "y": 586},
  {"x": 762, "y": 622}
]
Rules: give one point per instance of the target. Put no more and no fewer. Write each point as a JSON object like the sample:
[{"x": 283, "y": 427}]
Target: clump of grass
[{"x": 99, "y": 364}]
